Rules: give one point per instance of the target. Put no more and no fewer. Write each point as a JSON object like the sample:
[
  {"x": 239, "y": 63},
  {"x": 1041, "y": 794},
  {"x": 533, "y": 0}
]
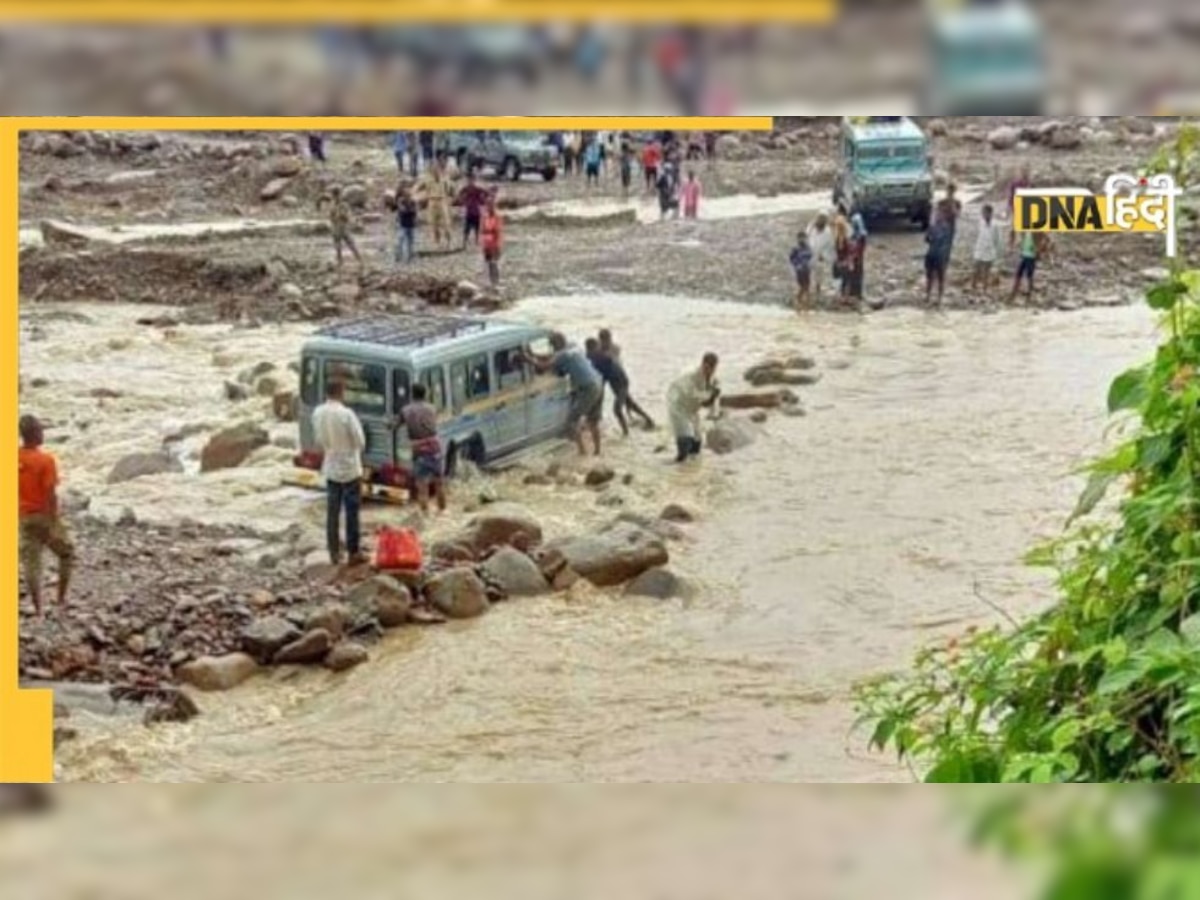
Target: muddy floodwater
[{"x": 935, "y": 451}]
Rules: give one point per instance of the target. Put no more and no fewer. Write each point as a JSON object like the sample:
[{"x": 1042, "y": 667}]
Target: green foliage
[{"x": 1105, "y": 685}]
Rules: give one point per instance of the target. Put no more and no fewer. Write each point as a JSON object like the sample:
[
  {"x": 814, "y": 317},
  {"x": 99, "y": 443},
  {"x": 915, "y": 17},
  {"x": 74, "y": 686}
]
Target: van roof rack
[{"x": 410, "y": 330}]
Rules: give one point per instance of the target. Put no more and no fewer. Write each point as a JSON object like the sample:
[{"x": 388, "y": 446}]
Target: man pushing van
[{"x": 587, "y": 388}]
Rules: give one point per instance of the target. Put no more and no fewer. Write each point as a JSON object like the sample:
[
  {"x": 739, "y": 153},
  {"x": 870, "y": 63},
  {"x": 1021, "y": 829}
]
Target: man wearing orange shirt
[
  {"x": 493, "y": 241},
  {"x": 41, "y": 526},
  {"x": 651, "y": 159}
]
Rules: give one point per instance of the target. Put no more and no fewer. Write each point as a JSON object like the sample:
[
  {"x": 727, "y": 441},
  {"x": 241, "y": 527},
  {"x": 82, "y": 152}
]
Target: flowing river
[{"x": 937, "y": 449}]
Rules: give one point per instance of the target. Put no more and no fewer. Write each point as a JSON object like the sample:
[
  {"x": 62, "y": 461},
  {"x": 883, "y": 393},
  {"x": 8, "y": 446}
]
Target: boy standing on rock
[{"x": 41, "y": 526}]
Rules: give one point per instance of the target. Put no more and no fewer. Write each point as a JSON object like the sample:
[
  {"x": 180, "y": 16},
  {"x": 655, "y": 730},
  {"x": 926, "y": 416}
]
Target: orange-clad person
[{"x": 41, "y": 525}]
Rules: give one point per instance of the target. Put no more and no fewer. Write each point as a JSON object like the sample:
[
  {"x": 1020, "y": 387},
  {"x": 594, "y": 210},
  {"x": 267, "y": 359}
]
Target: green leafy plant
[{"x": 1105, "y": 685}]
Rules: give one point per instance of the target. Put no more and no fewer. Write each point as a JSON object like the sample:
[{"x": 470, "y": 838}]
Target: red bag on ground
[{"x": 398, "y": 548}]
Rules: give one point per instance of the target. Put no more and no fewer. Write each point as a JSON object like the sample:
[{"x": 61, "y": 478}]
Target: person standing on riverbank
[
  {"x": 316, "y": 146},
  {"x": 419, "y": 418},
  {"x": 691, "y": 197},
  {"x": 801, "y": 259},
  {"x": 940, "y": 241},
  {"x": 987, "y": 250},
  {"x": 626, "y": 164},
  {"x": 651, "y": 159},
  {"x": 435, "y": 194},
  {"x": 687, "y": 396},
  {"x": 592, "y": 160},
  {"x": 856, "y": 274},
  {"x": 493, "y": 240},
  {"x": 340, "y": 436},
  {"x": 587, "y": 388},
  {"x": 41, "y": 525},
  {"x": 1035, "y": 247},
  {"x": 400, "y": 149},
  {"x": 472, "y": 198},
  {"x": 821, "y": 243},
  {"x": 406, "y": 221},
  {"x": 340, "y": 222}
]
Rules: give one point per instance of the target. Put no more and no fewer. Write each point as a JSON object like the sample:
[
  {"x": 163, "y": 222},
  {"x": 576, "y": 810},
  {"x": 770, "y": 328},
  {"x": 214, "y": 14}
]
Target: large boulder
[
  {"x": 614, "y": 556},
  {"x": 1066, "y": 137},
  {"x": 503, "y": 524},
  {"x": 1004, "y": 138},
  {"x": 230, "y": 448},
  {"x": 515, "y": 573},
  {"x": 217, "y": 673},
  {"x": 457, "y": 594},
  {"x": 383, "y": 599},
  {"x": 313, "y": 647},
  {"x": 729, "y": 435},
  {"x": 265, "y": 637},
  {"x": 355, "y": 195},
  {"x": 346, "y": 656},
  {"x": 660, "y": 584},
  {"x": 139, "y": 465}
]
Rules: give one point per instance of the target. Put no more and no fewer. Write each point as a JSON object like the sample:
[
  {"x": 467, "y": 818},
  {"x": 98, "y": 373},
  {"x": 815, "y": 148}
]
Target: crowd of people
[{"x": 834, "y": 247}]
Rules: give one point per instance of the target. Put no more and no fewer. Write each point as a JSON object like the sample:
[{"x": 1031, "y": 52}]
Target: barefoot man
[
  {"x": 587, "y": 388},
  {"x": 41, "y": 526}
]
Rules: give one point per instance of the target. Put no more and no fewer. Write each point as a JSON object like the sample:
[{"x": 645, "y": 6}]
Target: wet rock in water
[
  {"x": 285, "y": 406},
  {"x": 1004, "y": 138},
  {"x": 345, "y": 656},
  {"x": 313, "y": 647},
  {"x": 139, "y": 465},
  {"x": 267, "y": 386},
  {"x": 537, "y": 479},
  {"x": 176, "y": 706},
  {"x": 218, "y": 673},
  {"x": 258, "y": 370},
  {"x": 598, "y": 475},
  {"x": 759, "y": 417},
  {"x": 265, "y": 637},
  {"x": 659, "y": 583},
  {"x": 230, "y": 448},
  {"x": 274, "y": 188},
  {"x": 382, "y": 598},
  {"x": 728, "y": 436},
  {"x": 614, "y": 556},
  {"x": 763, "y": 400},
  {"x": 515, "y": 573},
  {"x": 677, "y": 512},
  {"x": 457, "y": 594},
  {"x": 503, "y": 524},
  {"x": 668, "y": 531},
  {"x": 331, "y": 617}
]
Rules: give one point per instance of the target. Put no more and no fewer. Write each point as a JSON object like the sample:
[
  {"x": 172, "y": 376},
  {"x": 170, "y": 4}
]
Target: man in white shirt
[
  {"x": 824, "y": 251},
  {"x": 687, "y": 396},
  {"x": 987, "y": 250},
  {"x": 340, "y": 436}
]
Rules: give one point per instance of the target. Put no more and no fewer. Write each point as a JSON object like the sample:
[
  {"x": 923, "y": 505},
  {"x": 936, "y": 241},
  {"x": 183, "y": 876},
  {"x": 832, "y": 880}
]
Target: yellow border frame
[
  {"x": 26, "y": 717},
  {"x": 300, "y": 12}
]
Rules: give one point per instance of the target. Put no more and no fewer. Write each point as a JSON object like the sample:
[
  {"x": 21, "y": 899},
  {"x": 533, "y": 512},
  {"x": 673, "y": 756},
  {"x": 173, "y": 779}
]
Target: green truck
[{"x": 885, "y": 170}]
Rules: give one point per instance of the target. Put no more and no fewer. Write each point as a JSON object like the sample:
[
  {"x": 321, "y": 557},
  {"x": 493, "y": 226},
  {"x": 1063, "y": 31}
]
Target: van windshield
[
  {"x": 988, "y": 57},
  {"x": 890, "y": 158}
]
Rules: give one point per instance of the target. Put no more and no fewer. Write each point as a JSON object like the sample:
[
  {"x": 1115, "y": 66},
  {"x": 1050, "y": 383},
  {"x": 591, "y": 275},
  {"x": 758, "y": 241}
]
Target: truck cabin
[{"x": 885, "y": 147}]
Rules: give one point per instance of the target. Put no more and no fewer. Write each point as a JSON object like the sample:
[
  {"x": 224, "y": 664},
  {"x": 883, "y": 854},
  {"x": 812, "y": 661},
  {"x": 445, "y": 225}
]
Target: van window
[
  {"x": 510, "y": 369},
  {"x": 479, "y": 377},
  {"x": 435, "y": 387},
  {"x": 366, "y": 385},
  {"x": 458, "y": 385},
  {"x": 310, "y": 381},
  {"x": 540, "y": 347},
  {"x": 401, "y": 391}
]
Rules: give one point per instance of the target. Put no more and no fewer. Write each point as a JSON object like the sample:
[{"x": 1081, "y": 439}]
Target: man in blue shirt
[
  {"x": 614, "y": 375},
  {"x": 940, "y": 239},
  {"x": 587, "y": 388},
  {"x": 592, "y": 160}
]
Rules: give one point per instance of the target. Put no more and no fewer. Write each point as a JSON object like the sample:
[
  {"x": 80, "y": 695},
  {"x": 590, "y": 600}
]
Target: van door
[
  {"x": 434, "y": 379},
  {"x": 401, "y": 397},
  {"x": 510, "y": 416},
  {"x": 470, "y": 390},
  {"x": 549, "y": 398},
  {"x": 366, "y": 394}
]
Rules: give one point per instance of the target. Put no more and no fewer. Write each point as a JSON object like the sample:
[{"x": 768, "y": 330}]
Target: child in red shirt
[{"x": 493, "y": 240}]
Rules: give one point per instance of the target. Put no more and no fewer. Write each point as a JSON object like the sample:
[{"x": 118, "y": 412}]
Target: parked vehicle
[
  {"x": 511, "y": 154},
  {"x": 491, "y": 405},
  {"x": 885, "y": 169},
  {"x": 985, "y": 58}
]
